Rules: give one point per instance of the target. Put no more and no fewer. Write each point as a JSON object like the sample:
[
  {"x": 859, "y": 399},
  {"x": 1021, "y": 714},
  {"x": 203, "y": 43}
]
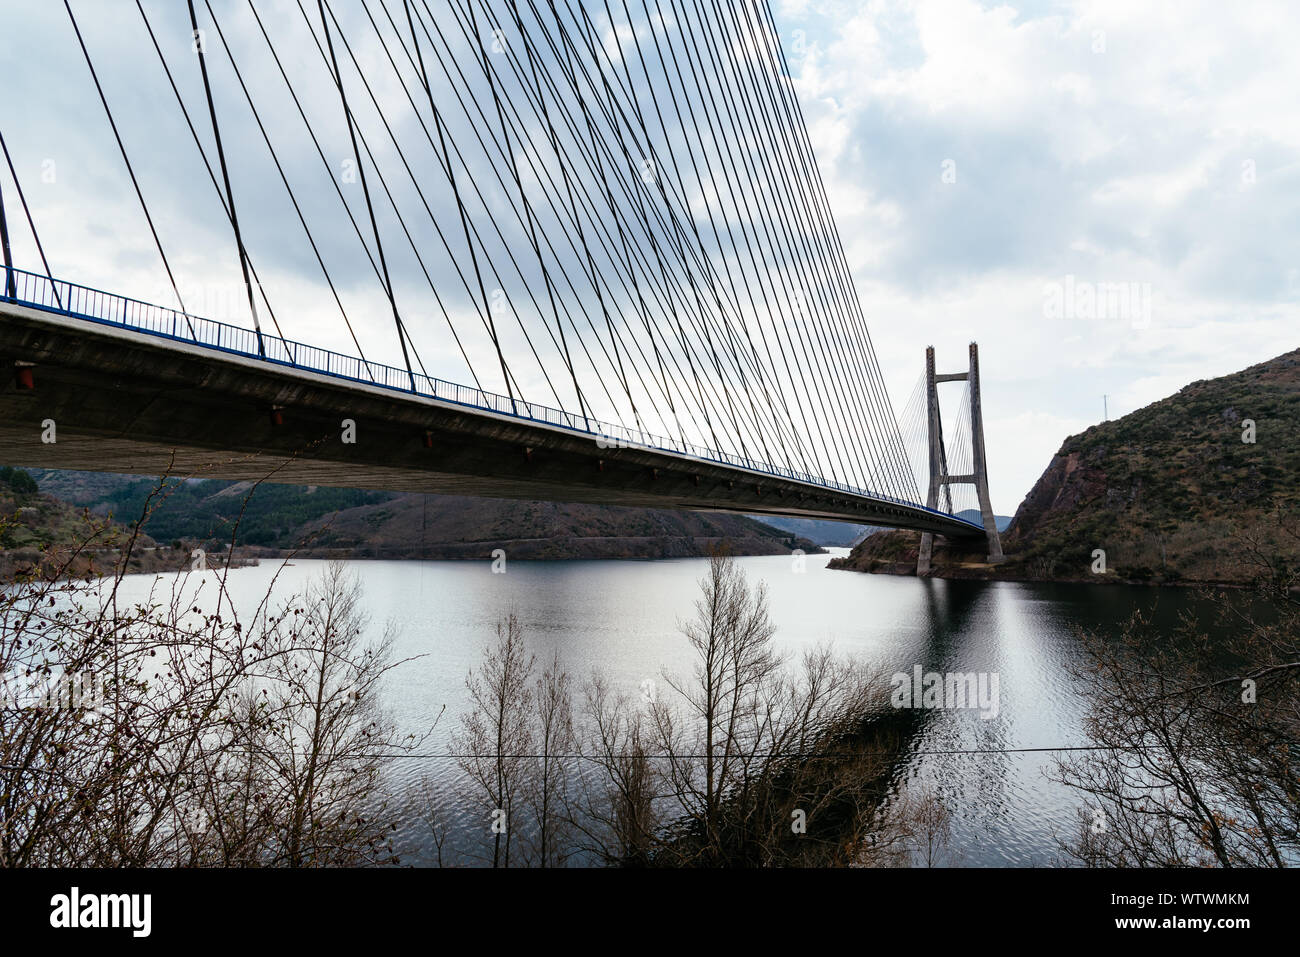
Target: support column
[
  {"x": 977, "y": 451},
  {"x": 934, "y": 432},
  {"x": 940, "y": 480}
]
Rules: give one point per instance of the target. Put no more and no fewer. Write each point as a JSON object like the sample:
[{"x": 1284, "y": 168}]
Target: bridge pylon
[{"x": 939, "y": 474}]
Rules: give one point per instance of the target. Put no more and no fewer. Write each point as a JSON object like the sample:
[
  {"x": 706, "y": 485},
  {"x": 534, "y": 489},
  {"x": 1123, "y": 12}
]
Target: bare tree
[
  {"x": 552, "y": 765},
  {"x": 754, "y": 760},
  {"x": 326, "y": 733},
  {"x": 707, "y": 742},
  {"x": 1195, "y": 736},
  {"x": 424, "y": 799},
  {"x": 495, "y": 743},
  {"x": 925, "y": 821},
  {"x": 765, "y": 760},
  {"x": 615, "y": 810},
  {"x": 178, "y": 736}
]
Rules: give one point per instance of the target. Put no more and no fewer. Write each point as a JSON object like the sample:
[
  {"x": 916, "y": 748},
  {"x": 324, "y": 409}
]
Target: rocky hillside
[
  {"x": 449, "y": 527},
  {"x": 39, "y": 531},
  {"x": 1191, "y": 488},
  {"x": 366, "y": 524}
]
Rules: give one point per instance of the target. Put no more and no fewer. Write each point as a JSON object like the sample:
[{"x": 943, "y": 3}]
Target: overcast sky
[
  {"x": 1115, "y": 142},
  {"x": 1104, "y": 195}
]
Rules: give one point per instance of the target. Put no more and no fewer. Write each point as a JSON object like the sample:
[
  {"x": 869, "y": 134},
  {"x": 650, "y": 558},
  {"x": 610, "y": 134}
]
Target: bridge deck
[{"x": 142, "y": 389}]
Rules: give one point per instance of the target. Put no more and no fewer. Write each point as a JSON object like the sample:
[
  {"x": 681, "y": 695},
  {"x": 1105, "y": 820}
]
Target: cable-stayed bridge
[{"x": 577, "y": 251}]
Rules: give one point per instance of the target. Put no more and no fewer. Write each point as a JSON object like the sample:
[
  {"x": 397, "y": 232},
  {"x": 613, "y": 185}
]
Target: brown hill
[
  {"x": 362, "y": 524},
  {"x": 1194, "y": 488},
  {"x": 453, "y": 527}
]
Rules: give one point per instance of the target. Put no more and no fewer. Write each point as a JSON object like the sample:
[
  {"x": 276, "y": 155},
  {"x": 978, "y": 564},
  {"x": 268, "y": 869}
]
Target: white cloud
[{"x": 1113, "y": 142}]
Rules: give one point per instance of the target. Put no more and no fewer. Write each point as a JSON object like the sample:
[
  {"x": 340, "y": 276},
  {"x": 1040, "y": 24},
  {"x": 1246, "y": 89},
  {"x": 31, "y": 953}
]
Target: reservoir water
[{"x": 621, "y": 618}]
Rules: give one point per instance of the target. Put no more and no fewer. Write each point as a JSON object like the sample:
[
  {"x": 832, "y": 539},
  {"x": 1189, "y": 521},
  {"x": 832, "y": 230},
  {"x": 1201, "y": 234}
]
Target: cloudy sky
[
  {"x": 1114, "y": 142},
  {"x": 1104, "y": 195}
]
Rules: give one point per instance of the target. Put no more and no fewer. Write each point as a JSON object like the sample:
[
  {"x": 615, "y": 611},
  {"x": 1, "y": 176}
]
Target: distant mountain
[
  {"x": 1193, "y": 488},
  {"x": 974, "y": 515},
  {"x": 845, "y": 534},
  {"x": 457, "y": 527},
  {"x": 835, "y": 534},
  {"x": 204, "y": 509},
  {"x": 316, "y": 520}
]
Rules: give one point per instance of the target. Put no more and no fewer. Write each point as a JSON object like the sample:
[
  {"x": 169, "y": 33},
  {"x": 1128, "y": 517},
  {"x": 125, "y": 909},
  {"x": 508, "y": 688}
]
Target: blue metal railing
[{"x": 82, "y": 302}]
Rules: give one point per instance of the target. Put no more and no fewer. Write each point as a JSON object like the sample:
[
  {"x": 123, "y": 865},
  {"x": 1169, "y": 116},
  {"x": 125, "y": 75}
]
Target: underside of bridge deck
[{"x": 117, "y": 400}]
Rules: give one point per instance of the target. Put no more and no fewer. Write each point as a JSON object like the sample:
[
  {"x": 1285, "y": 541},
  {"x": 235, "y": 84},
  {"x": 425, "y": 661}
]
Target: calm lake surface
[{"x": 621, "y": 617}]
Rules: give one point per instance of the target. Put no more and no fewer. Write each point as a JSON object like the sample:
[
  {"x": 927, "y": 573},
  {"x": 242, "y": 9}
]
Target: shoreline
[
  {"x": 840, "y": 565},
  {"x": 19, "y": 564}
]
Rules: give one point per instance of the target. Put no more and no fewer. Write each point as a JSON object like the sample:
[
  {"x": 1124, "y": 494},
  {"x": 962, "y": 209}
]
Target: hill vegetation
[
  {"x": 55, "y": 507},
  {"x": 37, "y": 531}
]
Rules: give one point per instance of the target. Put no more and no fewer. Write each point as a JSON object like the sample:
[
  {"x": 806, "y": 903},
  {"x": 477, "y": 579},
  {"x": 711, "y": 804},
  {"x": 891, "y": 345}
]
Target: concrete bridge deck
[{"x": 126, "y": 400}]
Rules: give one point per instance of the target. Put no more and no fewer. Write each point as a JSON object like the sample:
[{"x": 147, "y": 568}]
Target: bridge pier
[{"x": 939, "y": 475}]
